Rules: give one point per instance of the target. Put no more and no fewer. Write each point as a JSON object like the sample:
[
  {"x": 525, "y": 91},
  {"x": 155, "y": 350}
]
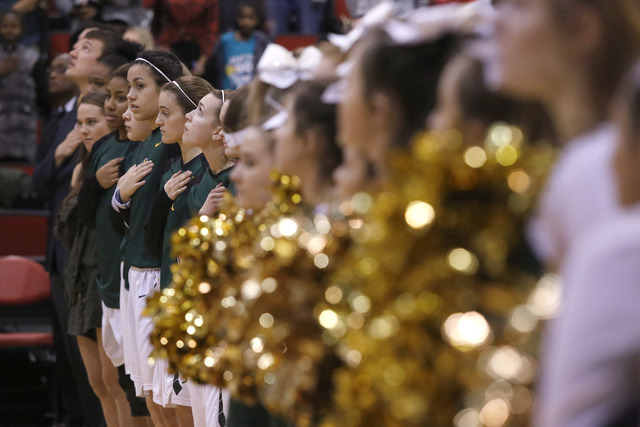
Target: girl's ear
[
  {"x": 587, "y": 30},
  {"x": 311, "y": 141},
  {"x": 382, "y": 111},
  {"x": 217, "y": 133}
]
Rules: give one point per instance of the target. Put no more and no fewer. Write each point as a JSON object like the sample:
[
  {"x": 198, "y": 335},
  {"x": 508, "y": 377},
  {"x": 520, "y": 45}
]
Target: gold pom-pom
[{"x": 423, "y": 307}]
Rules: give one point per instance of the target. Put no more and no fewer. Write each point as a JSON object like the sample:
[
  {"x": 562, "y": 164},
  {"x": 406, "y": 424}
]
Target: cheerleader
[
  {"x": 390, "y": 91},
  {"x": 306, "y": 143},
  {"x": 251, "y": 174},
  {"x": 591, "y": 370},
  {"x": 570, "y": 56},
  {"x": 135, "y": 192}
]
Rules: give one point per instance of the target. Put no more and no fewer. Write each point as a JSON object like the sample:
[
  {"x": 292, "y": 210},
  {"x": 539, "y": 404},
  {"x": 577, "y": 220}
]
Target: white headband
[
  {"x": 169, "y": 80},
  {"x": 183, "y": 92},
  {"x": 155, "y": 68}
]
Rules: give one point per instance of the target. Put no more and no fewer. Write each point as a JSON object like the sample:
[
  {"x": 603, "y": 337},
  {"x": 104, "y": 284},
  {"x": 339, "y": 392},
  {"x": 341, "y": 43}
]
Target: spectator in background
[
  {"x": 228, "y": 10},
  {"x": 357, "y": 8},
  {"x": 78, "y": 13},
  {"x": 233, "y": 61},
  {"x": 188, "y": 27},
  {"x": 140, "y": 35},
  {"x": 127, "y": 12},
  {"x": 34, "y": 16},
  {"x": 308, "y": 15},
  {"x": 63, "y": 93},
  {"x": 17, "y": 91},
  {"x": 61, "y": 89}
]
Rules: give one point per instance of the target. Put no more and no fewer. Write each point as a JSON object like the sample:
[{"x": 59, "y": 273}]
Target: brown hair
[
  {"x": 408, "y": 75},
  {"x": 310, "y": 113},
  {"x": 478, "y": 102},
  {"x": 162, "y": 60},
  {"x": 620, "y": 45},
  {"x": 121, "y": 71},
  {"x": 237, "y": 117},
  {"x": 194, "y": 87},
  {"x": 94, "y": 98},
  {"x": 222, "y": 96},
  {"x": 261, "y": 99},
  {"x": 628, "y": 96}
]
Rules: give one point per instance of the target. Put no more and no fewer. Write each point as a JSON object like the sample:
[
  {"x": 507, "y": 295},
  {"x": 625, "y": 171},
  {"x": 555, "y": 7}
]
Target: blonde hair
[{"x": 142, "y": 36}]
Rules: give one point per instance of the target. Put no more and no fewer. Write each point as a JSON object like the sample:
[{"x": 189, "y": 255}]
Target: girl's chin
[{"x": 231, "y": 154}]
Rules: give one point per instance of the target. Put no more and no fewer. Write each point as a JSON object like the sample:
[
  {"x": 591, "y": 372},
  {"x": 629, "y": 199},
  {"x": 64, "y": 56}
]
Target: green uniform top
[
  {"x": 152, "y": 149},
  {"x": 169, "y": 215},
  {"x": 198, "y": 194},
  {"x": 95, "y": 204}
]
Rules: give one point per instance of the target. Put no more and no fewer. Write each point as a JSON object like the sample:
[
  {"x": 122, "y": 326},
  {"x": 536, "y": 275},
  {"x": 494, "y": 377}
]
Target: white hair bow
[
  {"x": 278, "y": 67},
  {"x": 375, "y": 17},
  {"x": 429, "y": 23},
  {"x": 422, "y": 25}
]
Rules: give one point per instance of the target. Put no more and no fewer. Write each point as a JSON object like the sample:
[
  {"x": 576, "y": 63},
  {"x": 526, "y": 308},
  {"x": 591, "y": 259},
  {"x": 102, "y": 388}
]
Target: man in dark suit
[{"x": 56, "y": 159}]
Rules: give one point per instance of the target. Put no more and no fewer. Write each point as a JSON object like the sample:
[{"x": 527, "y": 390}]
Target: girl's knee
[{"x": 97, "y": 383}]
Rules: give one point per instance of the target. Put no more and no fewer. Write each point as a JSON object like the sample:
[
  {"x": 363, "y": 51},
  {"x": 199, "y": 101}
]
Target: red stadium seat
[
  {"x": 296, "y": 41},
  {"x": 23, "y": 282},
  {"x": 24, "y": 232},
  {"x": 58, "y": 43},
  {"x": 341, "y": 9}
]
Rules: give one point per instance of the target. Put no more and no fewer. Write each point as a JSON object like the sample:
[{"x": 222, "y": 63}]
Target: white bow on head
[
  {"x": 423, "y": 24},
  {"x": 278, "y": 67},
  {"x": 375, "y": 17},
  {"x": 333, "y": 94},
  {"x": 429, "y": 23}
]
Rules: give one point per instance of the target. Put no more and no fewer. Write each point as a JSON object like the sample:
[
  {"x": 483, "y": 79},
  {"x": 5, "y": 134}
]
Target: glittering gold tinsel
[
  {"x": 239, "y": 313},
  {"x": 422, "y": 308},
  {"x": 194, "y": 317}
]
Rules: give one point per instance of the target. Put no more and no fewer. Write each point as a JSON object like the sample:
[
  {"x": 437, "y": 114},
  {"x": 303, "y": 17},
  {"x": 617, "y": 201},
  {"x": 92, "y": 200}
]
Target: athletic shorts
[
  {"x": 169, "y": 390},
  {"x": 129, "y": 347},
  {"x": 205, "y": 404},
  {"x": 112, "y": 334},
  {"x": 143, "y": 283},
  {"x": 215, "y": 397}
]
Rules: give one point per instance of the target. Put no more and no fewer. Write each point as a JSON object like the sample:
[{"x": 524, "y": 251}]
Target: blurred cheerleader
[
  {"x": 306, "y": 143},
  {"x": 591, "y": 370},
  {"x": 569, "y": 55},
  {"x": 390, "y": 90}
]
